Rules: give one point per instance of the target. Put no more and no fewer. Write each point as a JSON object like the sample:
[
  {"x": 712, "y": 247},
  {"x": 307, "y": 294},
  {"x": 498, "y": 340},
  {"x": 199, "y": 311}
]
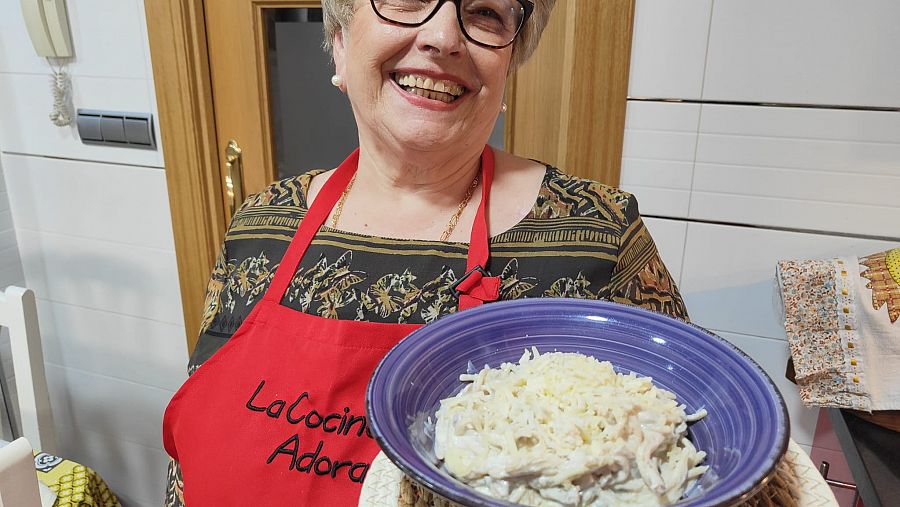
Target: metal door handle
[{"x": 234, "y": 185}]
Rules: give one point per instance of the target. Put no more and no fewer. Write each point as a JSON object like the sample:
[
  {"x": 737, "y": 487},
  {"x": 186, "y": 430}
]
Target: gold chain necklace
[{"x": 451, "y": 225}]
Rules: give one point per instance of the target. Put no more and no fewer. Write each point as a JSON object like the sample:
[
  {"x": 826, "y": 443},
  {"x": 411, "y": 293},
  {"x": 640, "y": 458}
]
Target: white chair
[
  {"x": 18, "y": 313},
  {"x": 18, "y": 479}
]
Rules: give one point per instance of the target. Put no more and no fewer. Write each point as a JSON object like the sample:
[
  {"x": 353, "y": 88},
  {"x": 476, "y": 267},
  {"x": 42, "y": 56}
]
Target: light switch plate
[
  {"x": 89, "y": 127},
  {"x": 114, "y": 128},
  {"x": 137, "y": 131}
]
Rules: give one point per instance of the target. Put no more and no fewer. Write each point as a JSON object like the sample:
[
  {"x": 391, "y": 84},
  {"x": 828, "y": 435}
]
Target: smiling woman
[{"x": 322, "y": 273}]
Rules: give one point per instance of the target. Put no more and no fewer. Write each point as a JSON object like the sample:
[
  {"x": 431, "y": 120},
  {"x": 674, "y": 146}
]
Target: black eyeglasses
[{"x": 488, "y": 23}]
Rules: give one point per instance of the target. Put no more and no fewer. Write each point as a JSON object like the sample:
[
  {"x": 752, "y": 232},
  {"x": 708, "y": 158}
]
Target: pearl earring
[
  {"x": 503, "y": 107},
  {"x": 337, "y": 80}
]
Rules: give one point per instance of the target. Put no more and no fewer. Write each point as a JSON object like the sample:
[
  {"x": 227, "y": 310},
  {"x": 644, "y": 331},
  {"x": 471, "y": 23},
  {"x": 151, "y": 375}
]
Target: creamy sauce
[{"x": 564, "y": 429}]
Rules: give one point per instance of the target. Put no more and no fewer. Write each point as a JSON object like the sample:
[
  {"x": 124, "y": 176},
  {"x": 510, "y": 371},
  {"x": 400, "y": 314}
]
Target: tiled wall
[
  {"x": 94, "y": 232},
  {"x": 734, "y": 186},
  {"x": 10, "y": 274},
  {"x": 800, "y": 52}
]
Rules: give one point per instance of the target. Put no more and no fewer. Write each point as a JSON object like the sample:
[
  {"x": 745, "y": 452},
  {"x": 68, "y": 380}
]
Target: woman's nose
[{"x": 442, "y": 33}]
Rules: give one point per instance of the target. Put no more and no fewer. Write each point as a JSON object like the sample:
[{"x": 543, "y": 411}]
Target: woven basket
[{"x": 779, "y": 491}]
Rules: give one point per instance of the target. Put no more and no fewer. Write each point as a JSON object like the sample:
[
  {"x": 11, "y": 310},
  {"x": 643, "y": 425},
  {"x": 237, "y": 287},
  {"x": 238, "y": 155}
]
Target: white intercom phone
[{"x": 48, "y": 26}]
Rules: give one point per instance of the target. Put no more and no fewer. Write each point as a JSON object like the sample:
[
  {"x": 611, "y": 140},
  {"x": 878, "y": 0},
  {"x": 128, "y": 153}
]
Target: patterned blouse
[{"x": 581, "y": 239}]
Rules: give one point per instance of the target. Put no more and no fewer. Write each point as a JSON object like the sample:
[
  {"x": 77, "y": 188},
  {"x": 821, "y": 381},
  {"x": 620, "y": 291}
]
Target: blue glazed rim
[{"x": 730, "y": 490}]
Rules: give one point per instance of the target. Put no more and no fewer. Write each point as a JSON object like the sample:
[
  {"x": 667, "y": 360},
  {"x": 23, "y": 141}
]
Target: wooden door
[
  {"x": 214, "y": 89},
  {"x": 237, "y": 39},
  {"x": 568, "y": 102}
]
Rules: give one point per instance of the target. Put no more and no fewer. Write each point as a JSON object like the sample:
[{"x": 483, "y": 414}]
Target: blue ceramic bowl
[{"x": 744, "y": 435}]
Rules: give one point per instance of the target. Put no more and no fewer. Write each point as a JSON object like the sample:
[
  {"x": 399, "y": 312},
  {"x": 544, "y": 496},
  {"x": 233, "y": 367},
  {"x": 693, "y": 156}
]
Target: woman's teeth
[
  {"x": 445, "y": 91},
  {"x": 443, "y": 97}
]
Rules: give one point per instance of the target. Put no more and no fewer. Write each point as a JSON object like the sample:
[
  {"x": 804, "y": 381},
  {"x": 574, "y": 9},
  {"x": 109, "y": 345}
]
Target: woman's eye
[
  {"x": 487, "y": 10},
  {"x": 488, "y": 13}
]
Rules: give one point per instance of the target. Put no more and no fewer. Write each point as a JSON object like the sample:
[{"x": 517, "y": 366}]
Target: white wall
[
  {"x": 735, "y": 188},
  {"x": 94, "y": 231},
  {"x": 10, "y": 274}
]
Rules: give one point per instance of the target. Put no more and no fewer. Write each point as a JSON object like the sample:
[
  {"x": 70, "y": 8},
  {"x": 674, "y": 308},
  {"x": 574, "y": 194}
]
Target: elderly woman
[{"x": 322, "y": 273}]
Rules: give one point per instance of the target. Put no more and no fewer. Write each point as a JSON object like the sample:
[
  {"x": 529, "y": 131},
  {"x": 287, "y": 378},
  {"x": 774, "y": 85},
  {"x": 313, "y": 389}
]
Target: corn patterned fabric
[
  {"x": 75, "y": 485},
  {"x": 883, "y": 275}
]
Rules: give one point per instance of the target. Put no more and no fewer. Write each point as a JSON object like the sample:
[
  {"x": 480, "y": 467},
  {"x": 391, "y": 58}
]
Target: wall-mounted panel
[
  {"x": 658, "y": 158},
  {"x": 105, "y": 36},
  {"x": 91, "y": 200},
  {"x": 668, "y": 48},
  {"x": 108, "y": 45},
  {"x": 804, "y": 52},
  {"x": 811, "y": 169},
  {"x": 728, "y": 279},
  {"x": 129, "y": 348},
  {"x": 26, "y": 102},
  {"x": 114, "y": 277},
  {"x": 110, "y": 406},
  {"x": 95, "y": 237}
]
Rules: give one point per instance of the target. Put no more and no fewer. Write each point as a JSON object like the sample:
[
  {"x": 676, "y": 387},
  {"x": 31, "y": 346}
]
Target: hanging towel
[{"x": 842, "y": 319}]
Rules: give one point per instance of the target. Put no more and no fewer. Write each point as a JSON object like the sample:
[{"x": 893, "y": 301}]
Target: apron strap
[
  {"x": 476, "y": 286},
  {"x": 315, "y": 216},
  {"x": 473, "y": 288}
]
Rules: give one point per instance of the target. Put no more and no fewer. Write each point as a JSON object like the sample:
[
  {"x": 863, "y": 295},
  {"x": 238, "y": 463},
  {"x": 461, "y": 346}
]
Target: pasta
[{"x": 564, "y": 429}]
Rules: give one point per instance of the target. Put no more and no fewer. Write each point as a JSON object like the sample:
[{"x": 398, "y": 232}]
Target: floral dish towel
[{"x": 842, "y": 318}]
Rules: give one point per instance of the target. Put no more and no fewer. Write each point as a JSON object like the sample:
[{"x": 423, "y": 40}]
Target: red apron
[{"x": 277, "y": 416}]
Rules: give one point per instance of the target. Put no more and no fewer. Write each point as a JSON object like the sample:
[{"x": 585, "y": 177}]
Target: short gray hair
[{"x": 337, "y": 14}]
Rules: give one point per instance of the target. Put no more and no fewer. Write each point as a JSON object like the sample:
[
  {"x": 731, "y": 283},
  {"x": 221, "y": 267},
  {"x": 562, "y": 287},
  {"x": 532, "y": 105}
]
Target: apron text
[{"x": 314, "y": 462}]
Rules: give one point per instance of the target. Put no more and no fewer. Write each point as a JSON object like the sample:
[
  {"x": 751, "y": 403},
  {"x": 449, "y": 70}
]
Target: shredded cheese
[{"x": 564, "y": 429}]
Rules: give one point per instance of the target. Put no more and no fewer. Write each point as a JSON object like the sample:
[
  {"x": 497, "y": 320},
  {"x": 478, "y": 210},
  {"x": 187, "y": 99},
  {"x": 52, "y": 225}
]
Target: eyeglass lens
[{"x": 488, "y": 22}]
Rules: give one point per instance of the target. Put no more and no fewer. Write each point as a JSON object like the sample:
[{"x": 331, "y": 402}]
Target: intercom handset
[{"x": 48, "y": 26}]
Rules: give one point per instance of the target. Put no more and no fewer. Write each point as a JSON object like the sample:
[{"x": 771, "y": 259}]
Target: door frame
[
  {"x": 177, "y": 33},
  {"x": 182, "y": 79}
]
